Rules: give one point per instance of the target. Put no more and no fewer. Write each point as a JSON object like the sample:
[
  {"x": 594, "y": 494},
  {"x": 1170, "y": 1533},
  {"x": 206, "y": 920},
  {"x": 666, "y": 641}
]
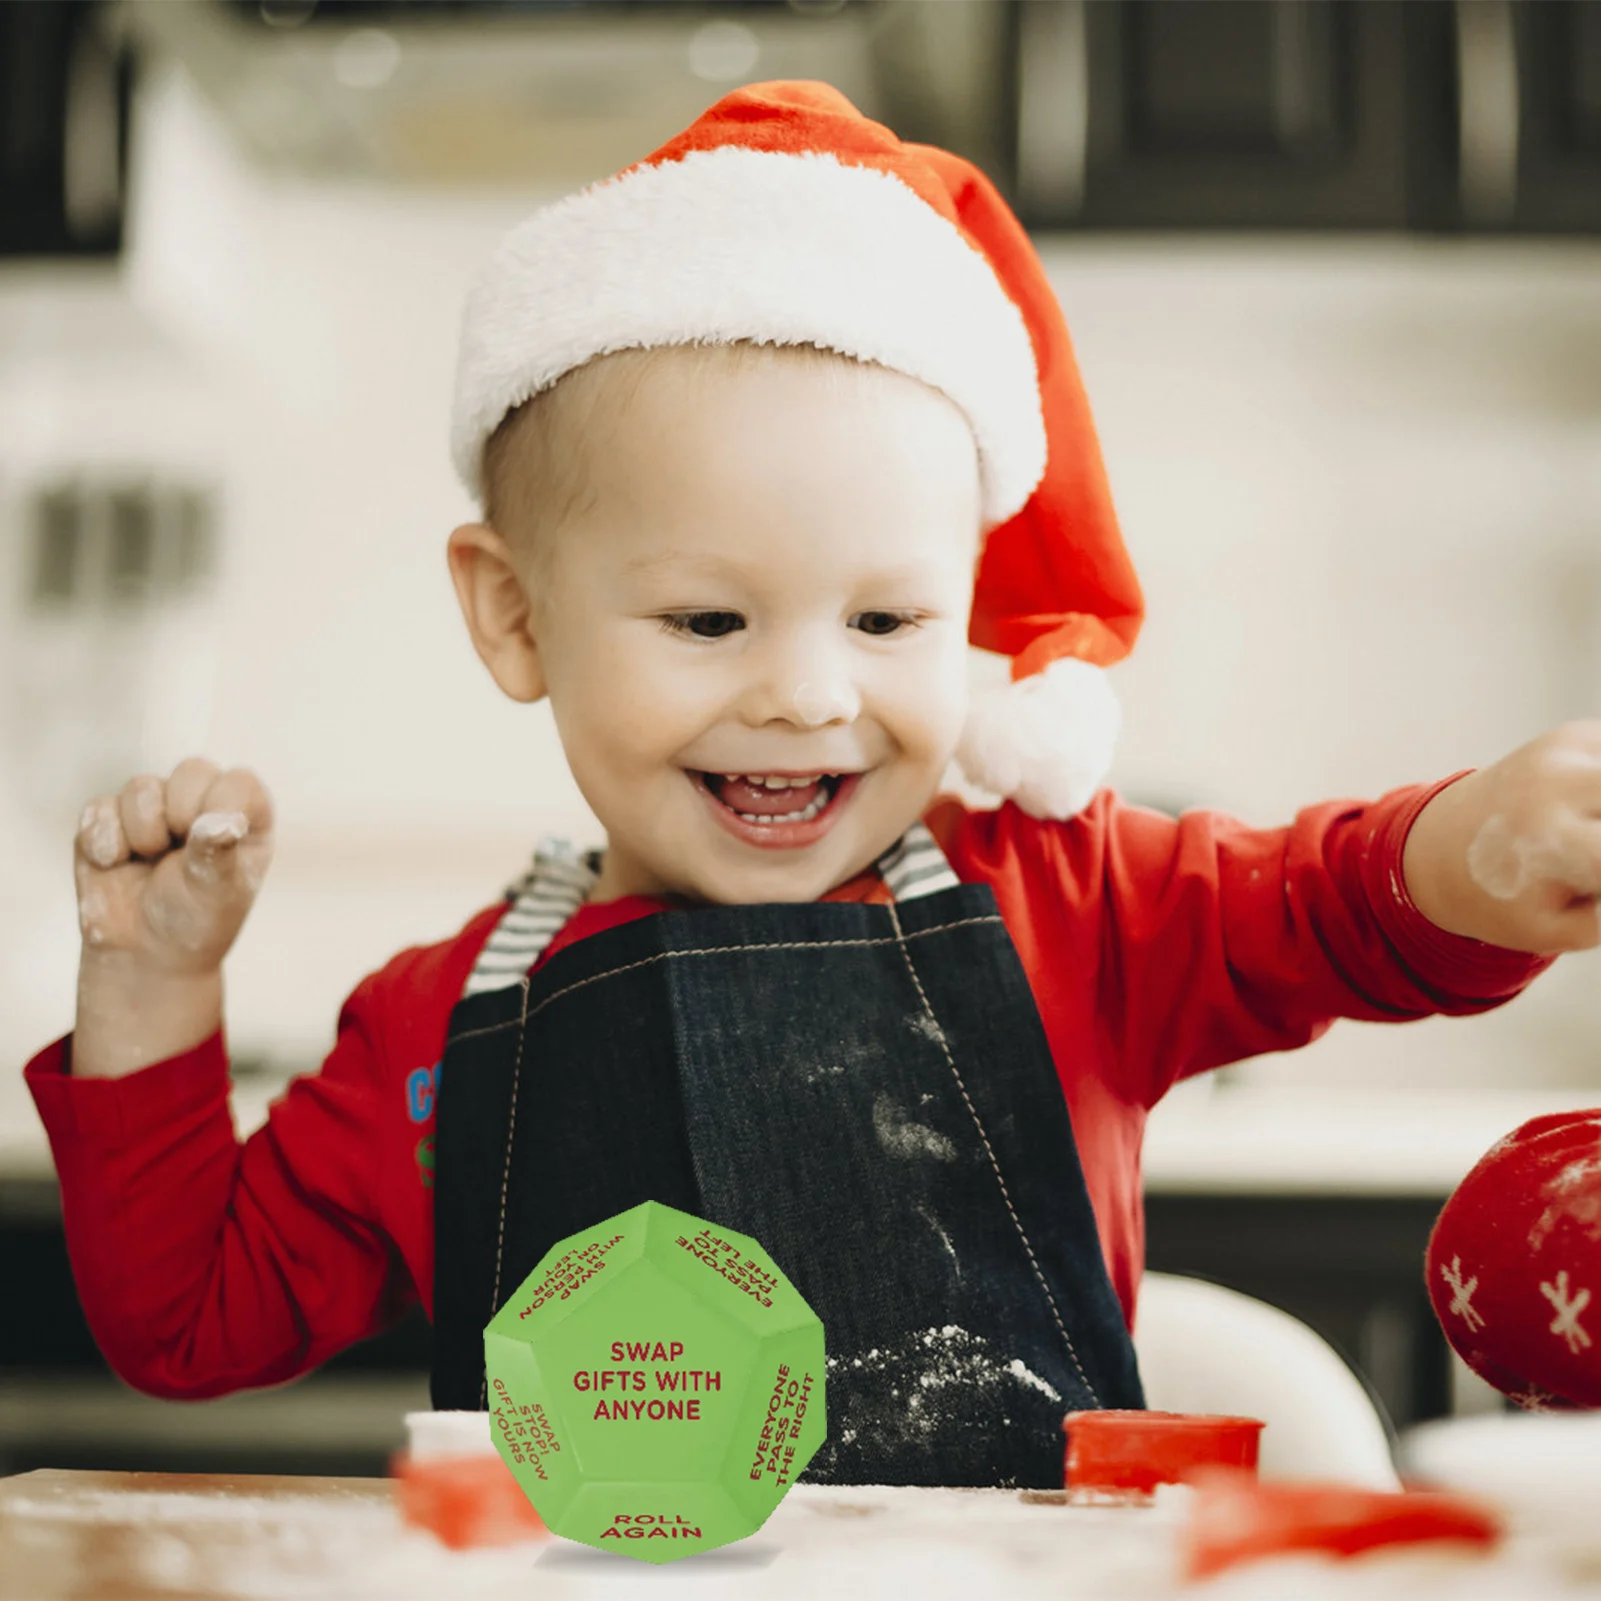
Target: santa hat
[
  {"x": 783, "y": 216},
  {"x": 1514, "y": 1263}
]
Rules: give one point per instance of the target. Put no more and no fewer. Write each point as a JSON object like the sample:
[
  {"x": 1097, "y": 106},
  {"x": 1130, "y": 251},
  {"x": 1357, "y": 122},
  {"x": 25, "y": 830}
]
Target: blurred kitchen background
[{"x": 1334, "y": 272}]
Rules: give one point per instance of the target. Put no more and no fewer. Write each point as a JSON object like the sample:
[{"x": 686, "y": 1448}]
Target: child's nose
[
  {"x": 807, "y": 702},
  {"x": 816, "y": 705},
  {"x": 808, "y": 689}
]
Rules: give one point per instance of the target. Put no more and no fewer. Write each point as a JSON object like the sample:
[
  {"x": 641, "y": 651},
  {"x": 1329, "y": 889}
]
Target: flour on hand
[{"x": 1504, "y": 862}]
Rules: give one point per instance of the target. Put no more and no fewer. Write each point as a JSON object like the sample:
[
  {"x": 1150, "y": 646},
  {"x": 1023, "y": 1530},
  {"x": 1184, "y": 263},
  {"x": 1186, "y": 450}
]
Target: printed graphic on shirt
[
  {"x": 422, "y": 1088},
  {"x": 425, "y": 1161}
]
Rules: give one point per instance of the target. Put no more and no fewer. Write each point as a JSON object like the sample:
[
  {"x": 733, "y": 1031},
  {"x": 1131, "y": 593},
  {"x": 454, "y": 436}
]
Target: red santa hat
[
  {"x": 783, "y": 216},
  {"x": 1514, "y": 1263}
]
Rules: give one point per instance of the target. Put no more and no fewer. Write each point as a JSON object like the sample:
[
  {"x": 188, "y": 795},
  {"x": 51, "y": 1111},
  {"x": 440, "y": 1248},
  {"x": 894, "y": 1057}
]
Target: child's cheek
[
  {"x": 943, "y": 691},
  {"x": 667, "y": 697}
]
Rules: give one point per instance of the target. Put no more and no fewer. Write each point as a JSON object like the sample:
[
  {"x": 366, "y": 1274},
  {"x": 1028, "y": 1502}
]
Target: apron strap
[{"x": 558, "y": 882}]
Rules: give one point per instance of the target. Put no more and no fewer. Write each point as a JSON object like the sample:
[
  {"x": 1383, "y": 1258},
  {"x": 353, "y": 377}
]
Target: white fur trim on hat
[
  {"x": 1045, "y": 741},
  {"x": 733, "y": 244}
]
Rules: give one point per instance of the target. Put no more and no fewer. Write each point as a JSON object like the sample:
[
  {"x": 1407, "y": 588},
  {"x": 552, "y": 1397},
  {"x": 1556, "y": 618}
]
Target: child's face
[{"x": 770, "y": 574}]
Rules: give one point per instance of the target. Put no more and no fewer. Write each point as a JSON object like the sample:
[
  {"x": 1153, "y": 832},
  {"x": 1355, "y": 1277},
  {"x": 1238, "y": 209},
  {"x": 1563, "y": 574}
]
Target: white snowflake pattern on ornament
[
  {"x": 1568, "y": 1307},
  {"x": 1462, "y": 1293},
  {"x": 1533, "y": 1399}
]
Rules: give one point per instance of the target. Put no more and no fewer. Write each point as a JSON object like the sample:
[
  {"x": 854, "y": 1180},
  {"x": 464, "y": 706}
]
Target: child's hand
[
  {"x": 1512, "y": 854},
  {"x": 167, "y": 871}
]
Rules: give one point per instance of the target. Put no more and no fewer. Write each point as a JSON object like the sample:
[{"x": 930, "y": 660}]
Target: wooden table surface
[
  {"x": 74, "y": 1536},
  {"x": 155, "y": 1537},
  {"x": 139, "y": 1536}
]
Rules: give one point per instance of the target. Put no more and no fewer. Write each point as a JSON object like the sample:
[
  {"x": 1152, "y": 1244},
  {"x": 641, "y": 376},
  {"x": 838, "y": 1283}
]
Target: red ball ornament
[{"x": 1514, "y": 1264}]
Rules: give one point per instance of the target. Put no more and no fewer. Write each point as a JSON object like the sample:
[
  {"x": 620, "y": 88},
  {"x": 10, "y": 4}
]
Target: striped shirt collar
[{"x": 560, "y": 878}]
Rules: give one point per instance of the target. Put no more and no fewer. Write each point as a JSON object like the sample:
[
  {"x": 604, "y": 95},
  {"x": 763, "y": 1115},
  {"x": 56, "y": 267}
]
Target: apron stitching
[
  {"x": 505, "y": 1177},
  {"x": 713, "y": 950},
  {"x": 950, "y": 1061}
]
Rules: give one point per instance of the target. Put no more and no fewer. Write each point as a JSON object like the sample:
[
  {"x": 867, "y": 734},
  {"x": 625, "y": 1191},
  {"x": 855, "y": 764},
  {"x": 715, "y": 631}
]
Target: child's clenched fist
[
  {"x": 1512, "y": 854},
  {"x": 166, "y": 873}
]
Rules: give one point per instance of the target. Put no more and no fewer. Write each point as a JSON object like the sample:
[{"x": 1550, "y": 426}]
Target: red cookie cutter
[
  {"x": 1121, "y": 1456},
  {"x": 1235, "y": 1520}
]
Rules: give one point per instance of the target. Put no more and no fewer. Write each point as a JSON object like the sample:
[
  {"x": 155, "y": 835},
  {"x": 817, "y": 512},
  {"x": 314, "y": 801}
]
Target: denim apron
[{"x": 867, "y": 1090}]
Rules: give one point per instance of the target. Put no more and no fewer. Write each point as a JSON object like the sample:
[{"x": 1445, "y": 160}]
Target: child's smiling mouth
[
  {"x": 769, "y": 798},
  {"x": 782, "y": 811}
]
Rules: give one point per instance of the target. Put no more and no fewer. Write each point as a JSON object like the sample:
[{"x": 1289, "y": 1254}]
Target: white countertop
[
  {"x": 1211, "y": 1138},
  {"x": 1204, "y": 1138}
]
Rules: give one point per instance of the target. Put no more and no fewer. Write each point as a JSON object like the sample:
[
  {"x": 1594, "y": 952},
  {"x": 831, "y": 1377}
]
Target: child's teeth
[{"x": 805, "y": 815}]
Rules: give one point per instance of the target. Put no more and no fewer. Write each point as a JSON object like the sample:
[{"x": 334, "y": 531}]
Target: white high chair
[{"x": 1203, "y": 1348}]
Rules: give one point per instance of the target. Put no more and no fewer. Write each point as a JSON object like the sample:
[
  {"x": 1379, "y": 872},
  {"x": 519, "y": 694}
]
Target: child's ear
[{"x": 497, "y": 610}]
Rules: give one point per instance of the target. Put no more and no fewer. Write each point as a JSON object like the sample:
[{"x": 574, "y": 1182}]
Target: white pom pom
[{"x": 1045, "y": 741}]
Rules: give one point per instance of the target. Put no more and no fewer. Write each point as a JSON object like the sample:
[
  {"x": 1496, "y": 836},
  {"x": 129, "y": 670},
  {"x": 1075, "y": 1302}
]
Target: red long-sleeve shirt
[{"x": 1155, "y": 948}]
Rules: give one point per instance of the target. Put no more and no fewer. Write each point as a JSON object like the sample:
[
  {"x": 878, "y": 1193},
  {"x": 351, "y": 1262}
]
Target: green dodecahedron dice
[{"x": 656, "y": 1385}]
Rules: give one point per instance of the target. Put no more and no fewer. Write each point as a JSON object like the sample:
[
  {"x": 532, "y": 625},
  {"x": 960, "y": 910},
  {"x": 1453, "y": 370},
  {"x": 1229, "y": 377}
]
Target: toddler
[{"x": 766, "y": 430}]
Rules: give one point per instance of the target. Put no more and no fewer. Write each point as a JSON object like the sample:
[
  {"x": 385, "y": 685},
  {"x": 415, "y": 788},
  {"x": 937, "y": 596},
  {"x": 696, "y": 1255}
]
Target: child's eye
[
  {"x": 881, "y": 624},
  {"x": 703, "y": 624}
]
